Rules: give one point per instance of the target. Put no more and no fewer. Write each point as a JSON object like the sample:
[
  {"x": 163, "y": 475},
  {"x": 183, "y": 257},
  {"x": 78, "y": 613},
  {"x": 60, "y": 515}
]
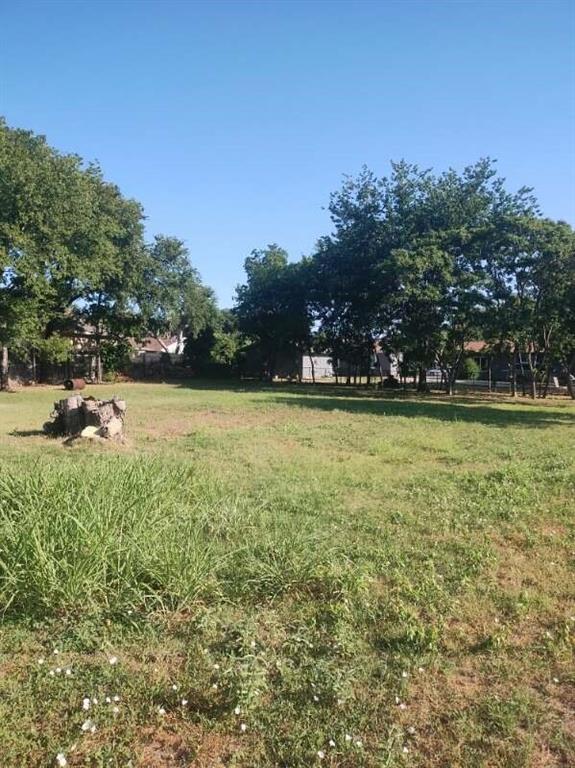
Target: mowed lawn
[{"x": 289, "y": 576}]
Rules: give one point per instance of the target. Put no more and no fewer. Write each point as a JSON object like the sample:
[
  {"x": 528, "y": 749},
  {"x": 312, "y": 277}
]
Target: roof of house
[
  {"x": 155, "y": 343},
  {"x": 475, "y": 346}
]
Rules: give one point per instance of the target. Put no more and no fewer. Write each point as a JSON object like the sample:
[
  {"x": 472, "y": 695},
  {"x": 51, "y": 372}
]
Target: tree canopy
[{"x": 73, "y": 255}]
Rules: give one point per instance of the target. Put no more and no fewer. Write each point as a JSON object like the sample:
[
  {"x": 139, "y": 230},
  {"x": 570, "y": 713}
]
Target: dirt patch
[{"x": 191, "y": 747}]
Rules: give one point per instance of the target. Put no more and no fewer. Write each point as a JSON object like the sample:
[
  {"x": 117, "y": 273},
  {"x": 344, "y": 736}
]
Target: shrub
[{"x": 469, "y": 368}]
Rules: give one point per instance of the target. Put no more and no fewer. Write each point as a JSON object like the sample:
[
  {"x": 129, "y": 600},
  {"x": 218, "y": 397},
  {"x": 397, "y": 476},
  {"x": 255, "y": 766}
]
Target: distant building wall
[{"x": 322, "y": 367}]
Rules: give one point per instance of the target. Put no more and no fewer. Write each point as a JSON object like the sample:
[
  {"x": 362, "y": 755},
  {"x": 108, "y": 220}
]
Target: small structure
[
  {"x": 77, "y": 416},
  {"x": 316, "y": 367}
]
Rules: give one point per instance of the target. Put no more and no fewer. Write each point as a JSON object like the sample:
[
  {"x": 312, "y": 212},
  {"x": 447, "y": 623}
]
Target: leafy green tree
[
  {"x": 272, "y": 307},
  {"x": 72, "y": 256},
  {"x": 348, "y": 278},
  {"x": 66, "y": 238},
  {"x": 216, "y": 348},
  {"x": 443, "y": 274},
  {"x": 532, "y": 291}
]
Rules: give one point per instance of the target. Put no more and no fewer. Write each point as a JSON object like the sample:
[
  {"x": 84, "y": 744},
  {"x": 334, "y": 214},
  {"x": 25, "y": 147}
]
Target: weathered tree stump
[{"x": 77, "y": 416}]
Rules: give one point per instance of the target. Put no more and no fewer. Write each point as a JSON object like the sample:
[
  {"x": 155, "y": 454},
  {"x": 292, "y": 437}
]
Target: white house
[{"x": 322, "y": 367}]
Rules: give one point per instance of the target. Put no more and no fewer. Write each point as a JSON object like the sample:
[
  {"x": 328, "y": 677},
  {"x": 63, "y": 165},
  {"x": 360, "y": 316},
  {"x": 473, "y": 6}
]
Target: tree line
[
  {"x": 418, "y": 263},
  {"x": 422, "y": 264}
]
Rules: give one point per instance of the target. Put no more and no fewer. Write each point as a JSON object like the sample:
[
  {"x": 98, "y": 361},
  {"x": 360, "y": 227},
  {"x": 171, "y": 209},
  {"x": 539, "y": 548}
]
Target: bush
[
  {"x": 115, "y": 356},
  {"x": 469, "y": 369}
]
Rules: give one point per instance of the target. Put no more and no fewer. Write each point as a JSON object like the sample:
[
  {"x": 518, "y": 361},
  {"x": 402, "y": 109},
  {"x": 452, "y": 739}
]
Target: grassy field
[{"x": 289, "y": 576}]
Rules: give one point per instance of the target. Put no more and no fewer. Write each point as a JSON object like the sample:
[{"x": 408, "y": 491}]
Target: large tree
[
  {"x": 273, "y": 308},
  {"x": 532, "y": 291},
  {"x": 73, "y": 257}
]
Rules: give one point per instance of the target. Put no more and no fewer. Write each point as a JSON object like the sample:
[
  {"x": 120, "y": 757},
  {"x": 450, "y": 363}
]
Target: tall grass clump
[{"x": 117, "y": 532}]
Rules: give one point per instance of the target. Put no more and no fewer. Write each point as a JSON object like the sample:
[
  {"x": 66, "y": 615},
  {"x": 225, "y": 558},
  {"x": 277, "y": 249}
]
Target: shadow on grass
[
  {"x": 482, "y": 408},
  {"x": 28, "y": 433},
  {"x": 468, "y": 409}
]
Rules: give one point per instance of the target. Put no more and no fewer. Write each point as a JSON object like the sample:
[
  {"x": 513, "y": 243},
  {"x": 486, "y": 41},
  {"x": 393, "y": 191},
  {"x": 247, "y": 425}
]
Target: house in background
[
  {"x": 316, "y": 366},
  {"x": 150, "y": 349}
]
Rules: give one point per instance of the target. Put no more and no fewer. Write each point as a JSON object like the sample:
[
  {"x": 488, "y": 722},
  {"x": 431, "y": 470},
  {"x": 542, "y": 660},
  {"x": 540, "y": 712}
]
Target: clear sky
[{"x": 233, "y": 121}]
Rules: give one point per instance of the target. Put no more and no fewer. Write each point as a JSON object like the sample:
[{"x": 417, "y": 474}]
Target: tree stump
[{"x": 77, "y": 416}]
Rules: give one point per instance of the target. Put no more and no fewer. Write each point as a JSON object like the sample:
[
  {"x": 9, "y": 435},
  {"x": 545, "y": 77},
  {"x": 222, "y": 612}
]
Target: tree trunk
[
  {"x": 570, "y": 384},
  {"x": 452, "y": 373},
  {"x": 422, "y": 380},
  {"x": 489, "y": 381},
  {"x": 312, "y": 364},
  {"x": 380, "y": 368},
  {"x": 533, "y": 381},
  {"x": 514, "y": 375},
  {"x": 4, "y": 368},
  {"x": 547, "y": 378},
  {"x": 98, "y": 363}
]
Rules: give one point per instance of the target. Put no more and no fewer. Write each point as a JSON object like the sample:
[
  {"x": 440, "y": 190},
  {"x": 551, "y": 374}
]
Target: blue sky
[{"x": 233, "y": 122}]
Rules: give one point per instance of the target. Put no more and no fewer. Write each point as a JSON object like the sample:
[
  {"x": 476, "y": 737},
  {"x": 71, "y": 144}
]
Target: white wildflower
[
  {"x": 116, "y": 710},
  {"x": 56, "y": 651},
  {"x": 555, "y": 679},
  {"x": 86, "y": 703},
  {"x": 253, "y": 644},
  {"x": 347, "y": 737},
  {"x": 411, "y": 730},
  {"x": 161, "y": 711},
  {"x": 68, "y": 671},
  {"x": 237, "y": 711},
  {"x": 358, "y": 743},
  {"x": 113, "y": 660},
  {"x": 94, "y": 701},
  {"x": 108, "y": 700},
  {"x": 405, "y": 750},
  {"x": 243, "y": 727},
  {"x": 216, "y": 666},
  {"x": 316, "y": 698},
  {"x": 184, "y": 702},
  {"x": 61, "y": 759},
  {"x": 41, "y": 660},
  {"x": 331, "y": 743},
  {"x": 89, "y": 725},
  {"x": 215, "y": 686},
  {"x": 174, "y": 687},
  {"x": 321, "y": 754},
  {"x": 58, "y": 670},
  {"x": 404, "y": 673},
  {"x": 403, "y": 706},
  {"x": 51, "y": 673},
  {"x": 420, "y": 669},
  {"x": 116, "y": 698}
]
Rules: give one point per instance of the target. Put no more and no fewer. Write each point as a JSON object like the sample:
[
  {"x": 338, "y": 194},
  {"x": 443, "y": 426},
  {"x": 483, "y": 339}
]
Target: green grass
[{"x": 392, "y": 574}]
